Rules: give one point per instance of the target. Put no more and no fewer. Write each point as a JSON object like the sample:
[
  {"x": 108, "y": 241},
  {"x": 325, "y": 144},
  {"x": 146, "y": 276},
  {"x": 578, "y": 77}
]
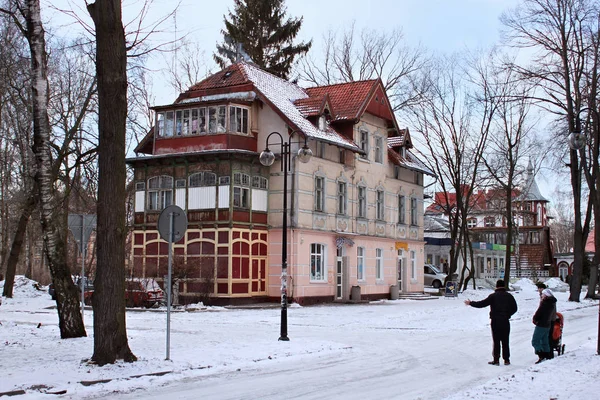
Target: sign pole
[
  {"x": 82, "y": 252},
  {"x": 171, "y": 223}
]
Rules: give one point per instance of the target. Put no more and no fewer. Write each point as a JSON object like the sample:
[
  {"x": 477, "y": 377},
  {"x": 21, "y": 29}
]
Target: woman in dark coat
[{"x": 541, "y": 319}]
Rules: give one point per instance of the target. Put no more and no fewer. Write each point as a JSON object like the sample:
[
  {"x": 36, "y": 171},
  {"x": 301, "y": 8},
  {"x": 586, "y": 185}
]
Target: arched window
[{"x": 199, "y": 179}]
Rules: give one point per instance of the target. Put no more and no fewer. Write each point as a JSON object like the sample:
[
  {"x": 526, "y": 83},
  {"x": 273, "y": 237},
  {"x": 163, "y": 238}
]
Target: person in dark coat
[
  {"x": 542, "y": 320},
  {"x": 502, "y": 306},
  {"x": 541, "y": 286}
]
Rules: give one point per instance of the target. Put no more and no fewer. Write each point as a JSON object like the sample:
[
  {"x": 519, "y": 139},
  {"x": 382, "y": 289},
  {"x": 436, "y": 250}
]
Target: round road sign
[{"x": 179, "y": 223}]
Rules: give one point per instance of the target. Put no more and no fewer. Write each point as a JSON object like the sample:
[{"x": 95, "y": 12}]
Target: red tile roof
[
  {"x": 233, "y": 75},
  {"x": 347, "y": 99},
  {"x": 312, "y": 106},
  {"x": 479, "y": 200}
]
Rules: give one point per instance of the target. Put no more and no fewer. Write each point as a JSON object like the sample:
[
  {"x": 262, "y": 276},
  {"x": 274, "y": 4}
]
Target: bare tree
[
  {"x": 454, "y": 120},
  {"x": 27, "y": 17},
  {"x": 187, "y": 65},
  {"x": 561, "y": 224},
  {"x": 16, "y": 156},
  {"x": 71, "y": 92},
  {"x": 371, "y": 54},
  {"x": 511, "y": 144},
  {"x": 564, "y": 38}
]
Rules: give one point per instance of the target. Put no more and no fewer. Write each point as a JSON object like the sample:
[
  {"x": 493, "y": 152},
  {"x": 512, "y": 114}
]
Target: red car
[{"x": 144, "y": 292}]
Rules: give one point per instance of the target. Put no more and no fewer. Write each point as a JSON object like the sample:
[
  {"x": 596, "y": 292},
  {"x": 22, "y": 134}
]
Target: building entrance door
[
  {"x": 339, "y": 274},
  {"x": 259, "y": 276},
  {"x": 400, "y": 270}
]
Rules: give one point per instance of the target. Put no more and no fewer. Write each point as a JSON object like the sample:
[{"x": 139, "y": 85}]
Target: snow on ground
[{"x": 404, "y": 349}]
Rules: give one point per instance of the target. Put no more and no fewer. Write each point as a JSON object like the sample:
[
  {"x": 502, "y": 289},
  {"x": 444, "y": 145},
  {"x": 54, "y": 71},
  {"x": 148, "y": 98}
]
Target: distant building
[
  {"x": 532, "y": 254},
  {"x": 564, "y": 261},
  {"x": 355, "y": 210}
]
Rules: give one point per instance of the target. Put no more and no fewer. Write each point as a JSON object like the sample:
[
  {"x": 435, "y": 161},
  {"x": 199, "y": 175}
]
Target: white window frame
[
  {"x": 202, "y": 122},
  {"x": 363, "y": 140},
  {"x": 362, "y": 201},
  {"x": 471, "y": 223},
  {"x": 320, "y": 193},
  {"x": 169, "y": 123},
  {"x": 160, "y": 192},
  {"x": 413, "y": 265},
  {"x": 241, "y": 197},
  {"x": 239, "y": 119},
  {"x": 217, "y": 120},
  {"x": 241, "y": 190},
  {"x": 360, "y": 263},
  {"x": 414, "y": 212},
  {"x": 379, "y": 149},
  {"x": 342, "y": 197},
  {"x": 379, "y": 264},
  {"x": 401, "y": 209},
  {"x": 380, "y": 204},
  {"x": 318, "y": 270},
  {"x": 178, "y": 122},
  {"x": 160, "y": 124}
]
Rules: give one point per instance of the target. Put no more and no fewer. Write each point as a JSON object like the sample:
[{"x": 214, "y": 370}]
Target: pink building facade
[{"x": 355, "y": 210}]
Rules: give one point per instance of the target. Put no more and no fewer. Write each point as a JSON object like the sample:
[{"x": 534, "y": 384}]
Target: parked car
[
  {"x": 433, "y": 276},
  {"x": 143, "y": 292},
  {"x": 88, "y": 287}
]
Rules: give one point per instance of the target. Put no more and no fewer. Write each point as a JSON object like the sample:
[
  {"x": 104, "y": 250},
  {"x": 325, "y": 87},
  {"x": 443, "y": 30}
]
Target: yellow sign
[{"x": 402, "y": 245}]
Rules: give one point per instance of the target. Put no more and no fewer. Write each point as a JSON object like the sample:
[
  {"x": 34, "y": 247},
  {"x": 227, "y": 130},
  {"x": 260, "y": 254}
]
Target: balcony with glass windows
[{"x": 200, "y": 128}]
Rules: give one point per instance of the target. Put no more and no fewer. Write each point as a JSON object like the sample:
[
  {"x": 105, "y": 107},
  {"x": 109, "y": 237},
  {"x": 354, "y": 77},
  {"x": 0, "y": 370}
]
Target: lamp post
[
  {"x": 267, "y": 158},
  {"x": 577, "y": 141}
]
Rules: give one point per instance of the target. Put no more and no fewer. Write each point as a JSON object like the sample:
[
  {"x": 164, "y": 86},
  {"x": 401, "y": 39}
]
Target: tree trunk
[
  {"x": 67, "y": 301},
  {"x": 509, "y": 232},
  {"x": 17, "y": 244},
  {"x": 580, "y": 234},
  {"x": 110, "y": 334}
]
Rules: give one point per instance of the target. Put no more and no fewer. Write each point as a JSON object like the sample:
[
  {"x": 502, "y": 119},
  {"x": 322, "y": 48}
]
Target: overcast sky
[
  {"x": 442, "y": 26},
  {"x": 439, "y": 25}
]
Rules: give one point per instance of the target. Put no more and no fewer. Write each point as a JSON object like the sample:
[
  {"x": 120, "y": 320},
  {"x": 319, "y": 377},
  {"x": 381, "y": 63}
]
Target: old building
[
  {"x": 355, "y": 210},
  {"x": 532, "y": 254}
]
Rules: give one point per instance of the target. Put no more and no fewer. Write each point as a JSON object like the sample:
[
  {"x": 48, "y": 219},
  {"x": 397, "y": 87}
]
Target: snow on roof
[
  {"x": 410, "y": 161},
  {"x": 396, "y": 141},
  {"x": 246, "y": 96},
  {"x": 282, "y": 94},
  {"x": 435, "y": 223},
  {"x": 531, "y": 191}
]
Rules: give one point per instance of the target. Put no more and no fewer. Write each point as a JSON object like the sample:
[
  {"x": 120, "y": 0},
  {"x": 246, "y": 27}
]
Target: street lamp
[
  {"x": 577, "y": 140},
  {"x": 267, "y": 158}
]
